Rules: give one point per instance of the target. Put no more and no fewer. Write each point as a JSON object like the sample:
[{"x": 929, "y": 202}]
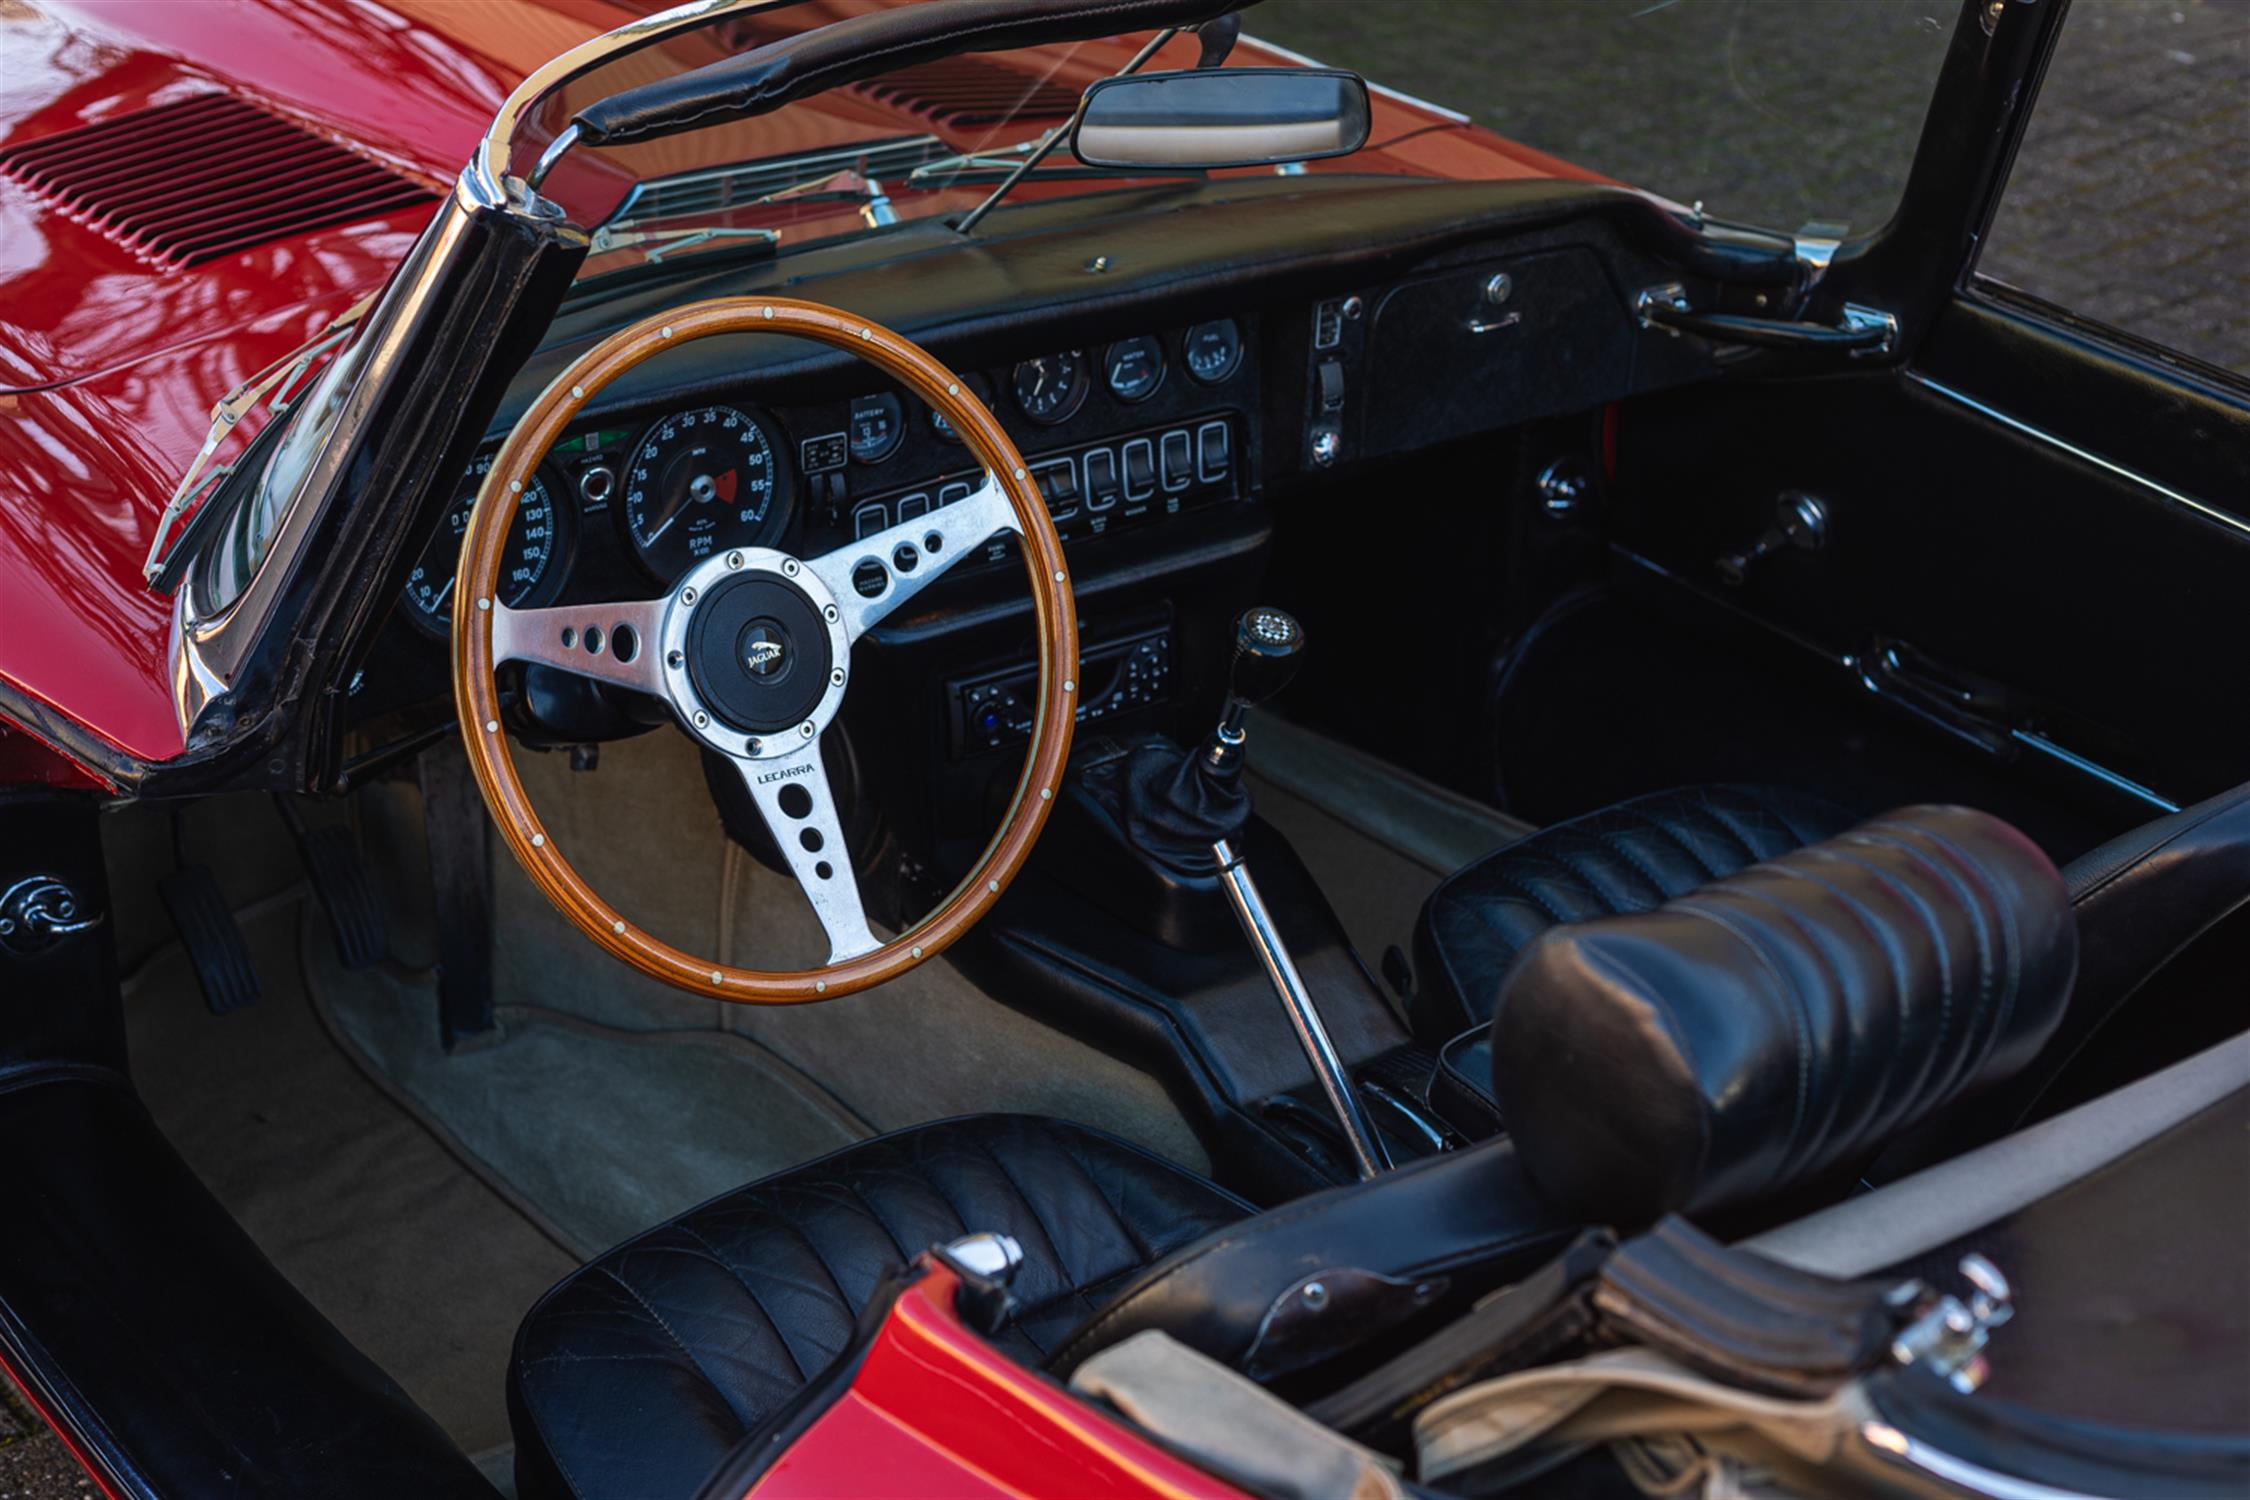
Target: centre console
[{"x": 1160, "y": 918}]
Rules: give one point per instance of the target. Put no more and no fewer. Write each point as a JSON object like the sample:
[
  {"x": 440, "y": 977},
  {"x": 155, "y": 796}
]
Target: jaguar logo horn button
[{"x": 763, "y": 650}]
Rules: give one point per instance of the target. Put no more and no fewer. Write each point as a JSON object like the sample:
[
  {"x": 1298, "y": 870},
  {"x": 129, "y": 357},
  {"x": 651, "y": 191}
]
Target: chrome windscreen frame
[{"x": 211, "y": 648}]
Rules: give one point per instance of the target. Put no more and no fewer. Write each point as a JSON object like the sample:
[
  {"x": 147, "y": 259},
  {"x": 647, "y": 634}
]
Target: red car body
[{"x": 109, "y": 362}]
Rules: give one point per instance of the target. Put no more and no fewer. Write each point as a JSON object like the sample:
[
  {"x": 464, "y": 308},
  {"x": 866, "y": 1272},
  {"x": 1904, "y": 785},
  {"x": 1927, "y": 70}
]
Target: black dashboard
[
  {"x": 1118, "y": 436},
  {"x": 1187, "y": 371}
]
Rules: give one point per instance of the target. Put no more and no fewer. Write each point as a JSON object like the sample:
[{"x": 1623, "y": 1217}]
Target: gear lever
[{"x": 1268, "y": 645}]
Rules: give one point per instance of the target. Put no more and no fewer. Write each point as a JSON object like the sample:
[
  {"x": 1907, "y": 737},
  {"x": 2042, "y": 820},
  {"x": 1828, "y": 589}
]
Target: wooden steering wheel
[{"x": 751, "y": 649}]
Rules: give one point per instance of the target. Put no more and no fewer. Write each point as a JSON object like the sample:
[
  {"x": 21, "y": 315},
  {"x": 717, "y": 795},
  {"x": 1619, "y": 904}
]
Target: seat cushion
[
  {"x": 640, "y": 1371},
  {"x": 1630, "y": 857}
]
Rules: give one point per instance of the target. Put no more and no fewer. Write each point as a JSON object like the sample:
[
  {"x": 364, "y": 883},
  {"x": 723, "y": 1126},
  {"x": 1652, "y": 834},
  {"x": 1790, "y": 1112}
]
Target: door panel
[{"x": 2096, "y": 612}]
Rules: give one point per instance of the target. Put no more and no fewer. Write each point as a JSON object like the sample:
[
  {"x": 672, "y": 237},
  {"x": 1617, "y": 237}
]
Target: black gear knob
[
  {"x": 1268, "y": 648},
  {"x": 1269, "y": 645}
]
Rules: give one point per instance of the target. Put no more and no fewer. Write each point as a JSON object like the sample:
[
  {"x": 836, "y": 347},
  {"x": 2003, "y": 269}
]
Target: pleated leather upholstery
[
  {"x": 1782, "y": 1022},
  {"x": 1630, "y": 857},
  {"x": 637, "y": 1374}
]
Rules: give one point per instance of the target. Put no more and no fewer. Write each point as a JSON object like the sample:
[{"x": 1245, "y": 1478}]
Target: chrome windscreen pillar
[{"x": 1258, "y": 926}]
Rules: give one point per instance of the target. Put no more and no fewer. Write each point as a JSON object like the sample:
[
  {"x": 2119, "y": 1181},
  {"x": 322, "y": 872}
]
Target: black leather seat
[
  {"x": 641, "y": 1372},
  {"x": 1777, "y": 1029},
  {"x": 1627, "y": 858}
]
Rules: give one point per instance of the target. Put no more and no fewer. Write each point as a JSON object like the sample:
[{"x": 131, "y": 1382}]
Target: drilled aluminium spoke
[
  {"x": 910, "y": 556},
  {"x": 613, "y": 643},
  {"x": 800, "y": 811}
]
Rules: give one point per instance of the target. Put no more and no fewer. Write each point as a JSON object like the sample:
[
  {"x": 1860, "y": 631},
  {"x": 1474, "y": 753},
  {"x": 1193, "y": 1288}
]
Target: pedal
[
  {"x": 214, "y": 943},
  {"x": 345, "y": 889}
]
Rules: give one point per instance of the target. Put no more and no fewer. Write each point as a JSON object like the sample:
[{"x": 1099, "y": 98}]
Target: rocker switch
[
  {"x": 1140, "y": 469},
  {"x": 1331, "y": 385},
  {"x": 1211, "y": 452},
  {"x": 1179, "y": 460},
  {"x": 1101, "y": 478}
]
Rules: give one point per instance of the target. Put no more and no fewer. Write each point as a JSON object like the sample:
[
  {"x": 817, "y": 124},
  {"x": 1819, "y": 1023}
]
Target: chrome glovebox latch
[{"x": 1948, "y": 1335}]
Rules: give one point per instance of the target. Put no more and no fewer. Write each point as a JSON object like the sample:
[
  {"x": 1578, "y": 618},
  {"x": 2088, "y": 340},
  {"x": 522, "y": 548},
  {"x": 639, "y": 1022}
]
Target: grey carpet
[
  {"x": 642, "y": 830},
  {"x": 603, "y": 1132},
  {"x": 418, "y": 1262}
]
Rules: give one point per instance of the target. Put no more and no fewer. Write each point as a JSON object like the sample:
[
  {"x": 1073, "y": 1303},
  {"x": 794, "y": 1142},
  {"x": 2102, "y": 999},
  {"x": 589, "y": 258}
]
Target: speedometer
[
  {"x": 528, "y": 571},
  {"x": 702, "y": 481}
]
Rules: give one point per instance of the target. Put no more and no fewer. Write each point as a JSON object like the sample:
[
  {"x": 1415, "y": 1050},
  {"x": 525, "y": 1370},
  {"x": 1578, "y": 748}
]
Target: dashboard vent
[
  {"x": 969, "y": 90},
  {"x": 719, "y": 188},
  {"x": 183, "y": 183}
]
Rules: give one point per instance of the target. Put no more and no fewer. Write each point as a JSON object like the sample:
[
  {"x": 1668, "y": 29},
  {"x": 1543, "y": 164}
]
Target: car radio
[{"x": 995, "y": 710}]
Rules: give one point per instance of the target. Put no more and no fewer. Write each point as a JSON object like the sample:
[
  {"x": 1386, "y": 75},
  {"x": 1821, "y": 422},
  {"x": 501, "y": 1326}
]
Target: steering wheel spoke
[
  {"x": 912, "y": 555},
  {"x": 793, "y": 796},
  {"x": 613, "y": 643}
]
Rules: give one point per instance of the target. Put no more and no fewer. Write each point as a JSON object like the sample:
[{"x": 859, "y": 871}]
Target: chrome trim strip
[
  {"x": 2209, "y": 513},
  {"x": 1851, "y": 664},
  {"x": 1908, "y": 1452},
  {"x": 2102, "y": 773}
]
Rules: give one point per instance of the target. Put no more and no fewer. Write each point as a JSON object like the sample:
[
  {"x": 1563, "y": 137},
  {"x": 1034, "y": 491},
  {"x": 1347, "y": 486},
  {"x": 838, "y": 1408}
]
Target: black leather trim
[
  {"x": 1461, "y": 1093},
  {"x": 1626, "y": 858},
  {"x": 765, "y": 78},
  {"x": 1784, "y": 1021},
  {"x": 174, "y": 1353},
  {"x": 642, "y": 1371},
  {"x": 1472, "y": 1215}
]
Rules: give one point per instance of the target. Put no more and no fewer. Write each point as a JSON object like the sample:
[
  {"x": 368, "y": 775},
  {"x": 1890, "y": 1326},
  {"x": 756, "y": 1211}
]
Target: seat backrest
[
  {"x": 1734, "y": 1043},
  {"x": 1784, "y": 1022}
]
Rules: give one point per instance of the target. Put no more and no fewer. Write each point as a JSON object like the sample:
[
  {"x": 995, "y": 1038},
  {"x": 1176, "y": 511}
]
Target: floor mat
[
  {"x": 417, "y": 1261},
  {"x": 610, "y": 1102},
  {"x": 598, "y": 1132}
]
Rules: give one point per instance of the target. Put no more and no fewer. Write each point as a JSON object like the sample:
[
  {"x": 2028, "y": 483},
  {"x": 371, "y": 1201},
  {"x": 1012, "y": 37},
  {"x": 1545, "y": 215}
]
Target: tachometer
[
  {"x": 528, "y": 573},
  {"x": 701, "y": 481}
]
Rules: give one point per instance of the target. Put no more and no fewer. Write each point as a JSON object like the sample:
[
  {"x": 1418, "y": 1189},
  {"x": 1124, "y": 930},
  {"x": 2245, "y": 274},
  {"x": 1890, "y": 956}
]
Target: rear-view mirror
[{"x": 1221, "y": 117}]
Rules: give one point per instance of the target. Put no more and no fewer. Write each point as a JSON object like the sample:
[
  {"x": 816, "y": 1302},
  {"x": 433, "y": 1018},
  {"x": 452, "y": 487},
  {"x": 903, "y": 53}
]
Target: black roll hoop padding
[
  {"x": 766, "y": 78},
  {"x": 1784, "y": 1022}
]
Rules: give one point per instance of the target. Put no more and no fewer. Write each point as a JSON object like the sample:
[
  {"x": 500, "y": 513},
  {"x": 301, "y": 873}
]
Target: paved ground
[
  {"x": 34, "y": 1465},
  {"x": 2131, "y": 199}
]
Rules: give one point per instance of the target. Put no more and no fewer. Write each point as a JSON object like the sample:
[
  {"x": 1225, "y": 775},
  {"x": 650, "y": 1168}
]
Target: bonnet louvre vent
[
  {"x": 968, "y": 90},
  {"x": 188, "y": 182}
]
